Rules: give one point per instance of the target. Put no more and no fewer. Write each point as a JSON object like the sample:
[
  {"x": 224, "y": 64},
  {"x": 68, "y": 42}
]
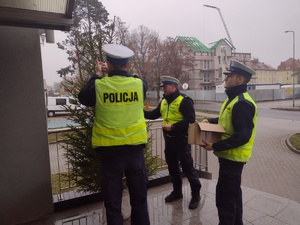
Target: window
[
  {"x": 61, "y": 101},
  {"x": 206, "y": 64},
  {"x": 220, "y": 73},
  {"x": 206, "y": 77}
]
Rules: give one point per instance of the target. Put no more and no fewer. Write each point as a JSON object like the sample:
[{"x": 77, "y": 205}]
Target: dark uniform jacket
[
  {"x": 242, "y": 121},
  {"x": 87, "y": 95},
  {"x": 186, "y": 109}
]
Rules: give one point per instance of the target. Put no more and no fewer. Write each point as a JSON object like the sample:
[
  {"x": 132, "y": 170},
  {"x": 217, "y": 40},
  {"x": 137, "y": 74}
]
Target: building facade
[
  {"x": 289, "y": 71},
  {"x": 265, "y": 74},
  {"x": 25, "y": 162},
  {"x": 211, "y": 62}
]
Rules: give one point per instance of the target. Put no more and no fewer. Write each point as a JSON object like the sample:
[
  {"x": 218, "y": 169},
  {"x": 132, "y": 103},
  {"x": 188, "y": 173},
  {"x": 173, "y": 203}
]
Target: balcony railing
[{"x": 60, "y": 167}]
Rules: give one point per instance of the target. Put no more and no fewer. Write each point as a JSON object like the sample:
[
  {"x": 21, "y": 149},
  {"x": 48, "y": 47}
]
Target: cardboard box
[{"x": 204, "y": 131}]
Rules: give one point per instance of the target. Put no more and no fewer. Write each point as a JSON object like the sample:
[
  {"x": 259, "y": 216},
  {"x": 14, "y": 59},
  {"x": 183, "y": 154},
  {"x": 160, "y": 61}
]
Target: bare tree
[
  {"x": 179, "y": 58},
  {"x": 140, "y": 41},
  {"x": 154, "y": 57}
]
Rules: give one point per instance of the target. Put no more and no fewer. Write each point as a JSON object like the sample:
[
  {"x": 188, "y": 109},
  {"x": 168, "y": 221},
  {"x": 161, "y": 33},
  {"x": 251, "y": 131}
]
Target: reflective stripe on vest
[
  {"x": 119, "y": 109},
  {"x": 170, "y": 113},
  {"x": 244, "y": 152}
]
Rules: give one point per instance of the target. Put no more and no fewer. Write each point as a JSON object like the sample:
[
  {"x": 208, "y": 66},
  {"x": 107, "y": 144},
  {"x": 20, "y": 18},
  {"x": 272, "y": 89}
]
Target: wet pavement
[{"x": 260, "y": 208}]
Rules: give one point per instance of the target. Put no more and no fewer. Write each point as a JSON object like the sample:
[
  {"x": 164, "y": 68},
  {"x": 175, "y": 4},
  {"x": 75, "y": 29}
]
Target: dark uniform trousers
[
  {"x": 229, "y": 193},
  {"x": 178, "y": 151},
  {"x": 130, "y": 159}
]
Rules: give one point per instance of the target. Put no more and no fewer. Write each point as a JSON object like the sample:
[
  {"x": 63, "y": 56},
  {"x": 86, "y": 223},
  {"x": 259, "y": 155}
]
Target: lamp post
[{"x": 293, "y": 74}]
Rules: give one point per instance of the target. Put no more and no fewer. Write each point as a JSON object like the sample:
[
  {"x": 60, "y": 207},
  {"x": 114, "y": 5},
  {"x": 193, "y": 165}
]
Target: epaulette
[{"x": 186, "y": 96}]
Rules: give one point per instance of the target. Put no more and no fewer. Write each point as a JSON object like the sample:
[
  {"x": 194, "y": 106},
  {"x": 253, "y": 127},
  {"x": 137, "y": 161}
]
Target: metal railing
[{"x": 60, "y": 167}]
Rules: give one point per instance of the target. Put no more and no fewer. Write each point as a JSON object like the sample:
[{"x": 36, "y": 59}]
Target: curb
[{"x": 290, "y": 146}]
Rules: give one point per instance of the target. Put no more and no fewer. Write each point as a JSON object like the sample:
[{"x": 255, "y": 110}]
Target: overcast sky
[{"x": 255, "y": 26}]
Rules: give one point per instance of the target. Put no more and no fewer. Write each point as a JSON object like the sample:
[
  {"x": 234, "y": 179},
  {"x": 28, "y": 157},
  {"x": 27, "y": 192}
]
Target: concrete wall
[{"x": 25, "y": 182}]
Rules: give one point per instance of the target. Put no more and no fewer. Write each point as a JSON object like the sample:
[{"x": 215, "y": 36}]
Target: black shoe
[
  {"x": 194, "y": 203},
  {"x": 173, "y": 197}
]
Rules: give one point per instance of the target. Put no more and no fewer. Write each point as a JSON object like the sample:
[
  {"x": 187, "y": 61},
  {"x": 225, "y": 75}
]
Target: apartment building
[
  {"x": 265, "y": 74},
  {"x": 285, "y": 71},
  {"x": 211, "y": 62}
]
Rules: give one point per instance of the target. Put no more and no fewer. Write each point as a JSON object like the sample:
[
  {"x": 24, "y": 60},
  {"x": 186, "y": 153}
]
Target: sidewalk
[{"x": 260, "y": 208}]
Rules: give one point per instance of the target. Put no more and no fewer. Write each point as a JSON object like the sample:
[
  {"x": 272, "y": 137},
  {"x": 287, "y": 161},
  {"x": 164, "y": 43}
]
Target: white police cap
[
  {"x": 240, "y": 68},
  {"x": 117, "y": 53},
  {"x": 168, "y": 80}
]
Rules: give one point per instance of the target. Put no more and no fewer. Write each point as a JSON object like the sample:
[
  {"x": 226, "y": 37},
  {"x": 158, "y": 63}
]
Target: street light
[{"x": 293, "y": 74}]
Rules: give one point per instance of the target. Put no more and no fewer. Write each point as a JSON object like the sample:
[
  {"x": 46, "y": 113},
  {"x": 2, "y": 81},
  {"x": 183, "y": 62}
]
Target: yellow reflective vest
[
  {"x": 170, "y": 113},
  {"x": 119, "y": 112},
  {"x": 241, "y": 153}
]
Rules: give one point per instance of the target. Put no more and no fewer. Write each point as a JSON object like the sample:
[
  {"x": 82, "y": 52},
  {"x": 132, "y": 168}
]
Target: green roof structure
[
  {"x": 194, "y": 44},
  {"x": 217, "y": 43},
  {"x": 198, "y": 47}
]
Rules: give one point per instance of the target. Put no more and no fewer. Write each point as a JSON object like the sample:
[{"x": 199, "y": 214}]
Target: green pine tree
[{"x": 83, "y": 46}]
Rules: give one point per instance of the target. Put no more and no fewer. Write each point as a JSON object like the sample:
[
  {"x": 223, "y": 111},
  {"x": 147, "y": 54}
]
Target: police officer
[
  {"x": 119, "y": 133},
  {"x": 177, "y": 111},
  {"x": 238, "y": 117}
]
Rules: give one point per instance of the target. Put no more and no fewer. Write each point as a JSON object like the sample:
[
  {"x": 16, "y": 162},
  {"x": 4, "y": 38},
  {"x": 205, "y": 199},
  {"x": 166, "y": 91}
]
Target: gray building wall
[{"x": 25, "y": 181}]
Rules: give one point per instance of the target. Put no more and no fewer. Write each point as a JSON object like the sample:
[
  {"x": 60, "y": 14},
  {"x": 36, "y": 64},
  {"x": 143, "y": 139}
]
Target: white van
[{"x": 56, "y": 105}]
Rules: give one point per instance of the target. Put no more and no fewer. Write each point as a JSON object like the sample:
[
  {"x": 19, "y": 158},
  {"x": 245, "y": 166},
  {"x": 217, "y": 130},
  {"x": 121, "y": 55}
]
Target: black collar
[
  {"x": 235, "y": 91},
  {"x": 118, "y": 73},
  {"x": 171, "y": 97}
]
